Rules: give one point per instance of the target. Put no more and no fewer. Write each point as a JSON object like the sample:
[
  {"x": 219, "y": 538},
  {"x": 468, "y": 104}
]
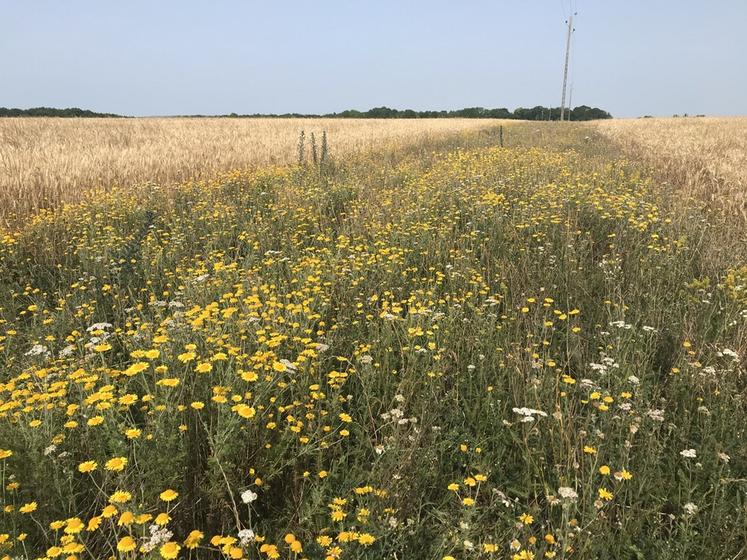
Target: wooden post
[{"x": 500, "y": 135}]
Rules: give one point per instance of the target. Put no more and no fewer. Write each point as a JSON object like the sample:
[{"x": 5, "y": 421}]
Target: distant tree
[{"x": 586, "y": 113}]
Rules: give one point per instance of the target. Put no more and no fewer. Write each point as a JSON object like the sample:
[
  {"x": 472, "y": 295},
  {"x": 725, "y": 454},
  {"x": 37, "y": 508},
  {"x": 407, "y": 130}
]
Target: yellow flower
[
  {"x": 624, "y": 474},
  {"x": 468, "y": 502},
  {"x": 324, "y": 541},
  {"x": 604, "y": 470},
  {"x": 87, "y": 466},
  {"x": 116, "y": 464},
  {"x": 120, "y": 497},
  {"x": 186, "y": 357},
  {"x": 453, "y": 487},
  {"x": 193, "y": 539},
  {"x": 5, "y": 453},
  {"x": 73, "y": 526},
  {"x": 127, "y": 400},
  {"x": 126, "y": 544},
  {"x": 168, "y": 382},
  {"x": 526, "y": 519},
  {"x": 102, "y": 347},
  {"x": 590, "y": 450},
  {"x": 168, "y": 495},
  {"x": 270, "y": 550},
  {"x": 244, "y": 410},
  {"x": 126, "y": 519},
  {"x": 109, "y": 511},
  {"x": 605, "y": 494},
  {"x": 162, "y": 519},
  {"x": 133, "y": 433},
  {"x": 170, "y": 550},
  {"x": 204, "y": 367},
  {"x": 198, "y": 405},
  {"x": 28, "y": 508},
  {"x": 345, "y": 417},
  {"x": 136, "y": 368},
  {"x": 248, "y": 376}
]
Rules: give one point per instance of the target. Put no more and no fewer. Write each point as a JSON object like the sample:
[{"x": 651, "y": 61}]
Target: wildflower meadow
[{"x": 452, "y": 349}]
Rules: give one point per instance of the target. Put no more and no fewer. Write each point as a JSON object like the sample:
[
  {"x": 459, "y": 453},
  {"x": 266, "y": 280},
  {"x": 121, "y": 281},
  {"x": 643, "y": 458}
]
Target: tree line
[
  {"x": 538, "y": 113},
  {"x": 52, "y": 112}
]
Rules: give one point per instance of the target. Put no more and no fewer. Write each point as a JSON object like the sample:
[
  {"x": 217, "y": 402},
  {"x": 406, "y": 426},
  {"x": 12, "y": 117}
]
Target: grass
[
  {"x": 45, "y": 162},
  {"x": 453, "y": 350}
]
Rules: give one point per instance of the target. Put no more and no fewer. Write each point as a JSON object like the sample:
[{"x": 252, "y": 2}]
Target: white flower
[
  {"x": 158, "y": 536},
  {"x": 567, "y": 493},
  {"x": 288, "y": 364},
  {"x": 67, "y": 351},
  {"x": 38, "y": 350},
  {"x": 99, "y": 327},
  {"x": 248, "y": 496},
  {"x": 633, "y": 379},
  {"x": 656, "y": 414},
  {"x": 724, "y": 457},
  {"x": 528, "y": 413},
  {"x": 246, "y": 536},
  {"x": 690, "y": 453},
  {"x": 524, "y": 411},
  {"x": 690, "y": 508}
]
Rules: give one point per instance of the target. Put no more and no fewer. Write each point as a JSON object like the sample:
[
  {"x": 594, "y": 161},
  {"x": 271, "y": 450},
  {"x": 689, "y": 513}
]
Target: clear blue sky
[{"x": 159, "y": 57}]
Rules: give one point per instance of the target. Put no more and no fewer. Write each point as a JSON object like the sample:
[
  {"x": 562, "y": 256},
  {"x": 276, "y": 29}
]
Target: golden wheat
[
  {"x": 47, "y": 161},
  {"x": 705, "y": 157}
]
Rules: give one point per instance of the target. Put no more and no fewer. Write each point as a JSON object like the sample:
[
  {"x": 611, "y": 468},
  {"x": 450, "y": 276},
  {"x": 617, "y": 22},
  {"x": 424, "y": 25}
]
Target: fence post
[{"x": 500, "y": 135}]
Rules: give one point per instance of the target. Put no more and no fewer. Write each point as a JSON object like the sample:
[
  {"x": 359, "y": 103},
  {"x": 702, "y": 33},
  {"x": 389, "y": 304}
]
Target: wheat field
[
  {"x": 704, "y": 157},
  {"x": 47, "y": 161}
]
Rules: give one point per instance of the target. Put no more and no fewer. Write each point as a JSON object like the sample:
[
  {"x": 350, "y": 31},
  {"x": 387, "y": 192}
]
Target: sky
[{"x": 166, "y": 57}]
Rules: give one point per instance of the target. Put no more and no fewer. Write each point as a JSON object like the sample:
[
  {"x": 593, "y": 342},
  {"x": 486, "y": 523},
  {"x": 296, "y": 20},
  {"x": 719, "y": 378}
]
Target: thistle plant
[{"x": 302, "y": 148}]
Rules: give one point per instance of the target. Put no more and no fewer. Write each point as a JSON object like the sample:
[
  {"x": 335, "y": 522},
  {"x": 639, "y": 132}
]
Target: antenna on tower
[{"x": 565, "y": 67}]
